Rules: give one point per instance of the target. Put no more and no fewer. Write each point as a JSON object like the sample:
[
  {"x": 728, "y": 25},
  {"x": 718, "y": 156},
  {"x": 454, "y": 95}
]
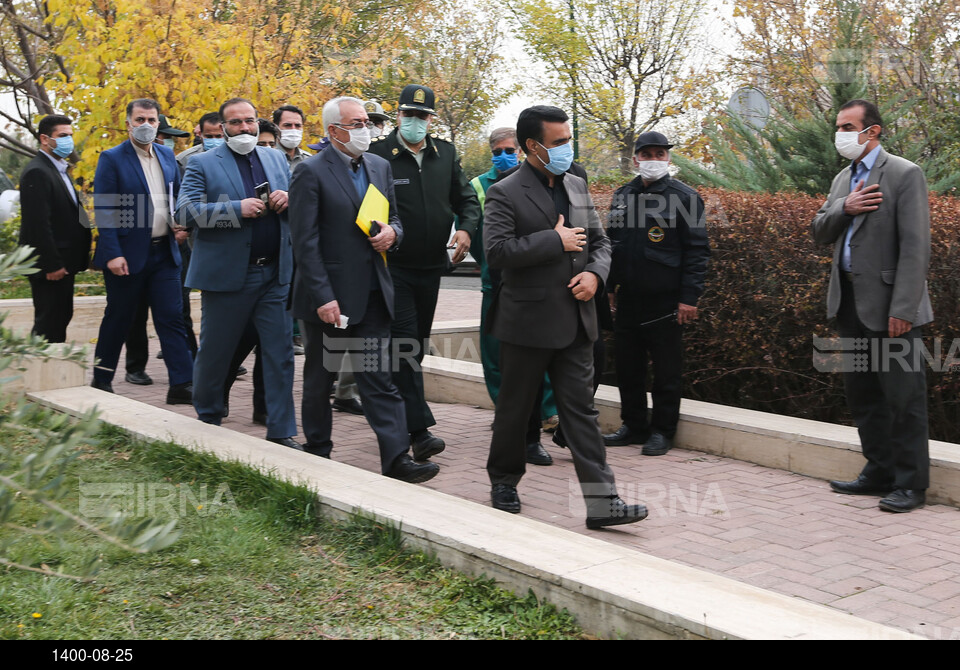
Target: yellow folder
[{"x": 375, "y": 207}]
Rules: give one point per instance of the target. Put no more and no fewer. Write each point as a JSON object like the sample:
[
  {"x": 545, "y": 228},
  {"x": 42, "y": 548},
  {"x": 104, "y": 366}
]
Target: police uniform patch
[
  {"x": 655, "y": 234},
  {"x": 395, "y": 151},
  {"x": 370, "y": 108},
  {"x": 419, "y": 96}
]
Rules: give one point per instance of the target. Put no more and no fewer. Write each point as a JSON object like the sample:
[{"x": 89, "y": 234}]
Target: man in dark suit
[
  {"x": 236, "y": 197},
  {"x": 54, "y": 223},
  {"x": 342, "y": 276},
  {"x": 877, "y": 217},
  {"x": 542, "y": 232},
  {"x": 134, "y": 188}
]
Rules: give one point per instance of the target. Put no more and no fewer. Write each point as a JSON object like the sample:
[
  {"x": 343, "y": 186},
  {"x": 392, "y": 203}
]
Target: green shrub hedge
[{"x": 765, "y": 299}]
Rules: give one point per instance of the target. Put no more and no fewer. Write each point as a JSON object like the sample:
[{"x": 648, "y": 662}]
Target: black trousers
[
  {"x": 368, "y": 342},
  {"x": 415, "y": 301},
  {"x": 52, "y": 306},
  {"x": 571, "y": 374},
  {"x": 887, "y": 395},
  {"x": 637, "y": 346}
]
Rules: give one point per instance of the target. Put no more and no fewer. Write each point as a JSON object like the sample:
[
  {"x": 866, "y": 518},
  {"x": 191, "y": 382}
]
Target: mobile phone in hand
[{"x": 263, "y": 192}]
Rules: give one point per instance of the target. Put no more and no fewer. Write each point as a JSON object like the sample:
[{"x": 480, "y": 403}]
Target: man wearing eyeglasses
[
  {"x": 431, "y": 191},
  {"x": 343, "y": 292},
  {"x": 236, "y": 198}
]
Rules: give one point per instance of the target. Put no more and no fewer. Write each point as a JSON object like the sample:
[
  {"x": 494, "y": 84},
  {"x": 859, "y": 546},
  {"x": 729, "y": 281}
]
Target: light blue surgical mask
[
  {"x": 561, "y": 158},
  {"x": 413, "y": 130},
  {"x": 64, "y": 146},
  {"x": 169, "y": 142},
  {"x": 211, "y": 143}
]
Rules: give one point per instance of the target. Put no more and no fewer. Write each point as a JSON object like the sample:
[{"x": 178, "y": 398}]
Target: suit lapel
[
  {"x": 876, "y": 175},
  {"x": 134, "y": 160},
  {"x": 230, "y": 167},
  {"x": 58, "y": 179},
  {"x": 537, "y": 194},
  {"x": 338, "y": 167}
]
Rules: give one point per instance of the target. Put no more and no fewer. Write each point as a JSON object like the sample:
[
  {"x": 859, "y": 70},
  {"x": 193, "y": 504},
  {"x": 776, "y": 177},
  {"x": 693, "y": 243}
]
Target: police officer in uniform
[
  {"x": 431, "y": 190},
  {"x": 660, "y": 252}
]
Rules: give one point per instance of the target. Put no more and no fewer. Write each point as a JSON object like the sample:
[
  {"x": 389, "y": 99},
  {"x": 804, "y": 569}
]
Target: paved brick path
[{"x": 764, "y": 527}]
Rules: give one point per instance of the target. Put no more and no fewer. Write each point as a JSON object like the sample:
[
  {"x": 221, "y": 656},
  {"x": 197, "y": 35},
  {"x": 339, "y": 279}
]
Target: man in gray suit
[
  {"x": 877, "y": 217},
  {"x": 343, "y": 292},
  {"x": 542, "y": 232}
]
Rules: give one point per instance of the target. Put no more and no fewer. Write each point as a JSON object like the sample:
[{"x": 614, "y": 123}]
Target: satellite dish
[{"x": 751, "y": 105}]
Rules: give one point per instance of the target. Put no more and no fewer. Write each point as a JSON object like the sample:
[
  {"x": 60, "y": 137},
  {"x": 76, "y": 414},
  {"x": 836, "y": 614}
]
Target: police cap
[{"x": 417, "y": 97}]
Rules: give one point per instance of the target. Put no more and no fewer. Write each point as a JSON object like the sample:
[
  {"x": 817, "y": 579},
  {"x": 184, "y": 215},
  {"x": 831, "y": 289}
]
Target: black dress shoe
[
  {"x": 160, "y": 354},
  {"x": 559, "y": 439},
  {"x": 140, "y": 378},
  {"x": 504, "y": 498},
  {"x": 260, "y": 417},
  {"x": 624, "y": 437},
  {"x": 348, "y": 405},
  {"x": 103, "y": 386},
  {"x": 537, "y": 455},
  {"x": 657, "y": 445},
  {"x": 613, "y": 512},
  {"x": 425, "y": 444},
  {"x": 904, "y": 500},
  {"x": 241, "y": 371},
  {"x": 406, "y": 470},
  {"x": 181, "y": 394},
  {"x": 286, "y": 442},
  {"x": 861, "y": 486}
]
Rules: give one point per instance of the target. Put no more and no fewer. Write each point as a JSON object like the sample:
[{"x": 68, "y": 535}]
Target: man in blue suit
[
  {"x": 236, "y": 198},
  {"x": 343, "y": 291},
  {"x": 134, "y": 190}
]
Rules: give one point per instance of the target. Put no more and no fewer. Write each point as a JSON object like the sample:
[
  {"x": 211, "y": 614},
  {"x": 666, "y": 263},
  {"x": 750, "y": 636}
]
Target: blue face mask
[
  {"x": 170, "y": 143},
  {"x": 64, "y": 146},
  {"x": 413, "y": 130},
  {"x": 505, "y": 161},
  {"x": 561, "y": 158},
  {"x": 211, "y": 143}
]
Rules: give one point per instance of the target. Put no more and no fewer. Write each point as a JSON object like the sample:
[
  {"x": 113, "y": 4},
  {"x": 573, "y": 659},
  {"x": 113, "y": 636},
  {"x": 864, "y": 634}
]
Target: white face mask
[
  {"x": 242, "y": 143},
  {"x": 652, "y": 170},
  {"x": 291, "y": 139},
  {"x": 848, "y": 143},
  {"x": 359, "y": 141}
]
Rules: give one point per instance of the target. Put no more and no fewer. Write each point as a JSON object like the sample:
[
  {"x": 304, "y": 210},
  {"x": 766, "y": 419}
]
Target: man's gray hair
[
  {"x": 501, "y": 134},
  {"x": 331, "y": 110}
]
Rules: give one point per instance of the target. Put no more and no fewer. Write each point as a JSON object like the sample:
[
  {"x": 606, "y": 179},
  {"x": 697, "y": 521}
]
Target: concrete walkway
[{"x": 764, "y": 527}]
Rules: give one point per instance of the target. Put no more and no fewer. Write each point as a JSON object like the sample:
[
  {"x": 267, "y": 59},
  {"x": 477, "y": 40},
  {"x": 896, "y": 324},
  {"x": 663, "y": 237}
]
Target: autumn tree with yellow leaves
[{"x": 625, "y": 64}]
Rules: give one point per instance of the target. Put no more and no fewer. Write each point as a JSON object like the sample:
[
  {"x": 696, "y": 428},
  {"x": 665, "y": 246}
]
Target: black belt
[
  {"x": 158, "y": 240},
  {"x": 263, "y": 260}
]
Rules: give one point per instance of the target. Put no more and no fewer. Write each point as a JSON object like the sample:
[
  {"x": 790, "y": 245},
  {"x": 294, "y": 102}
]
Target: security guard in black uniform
[
  {"x": 431, "y": 190},
  {"x": 660, "y": 252}
]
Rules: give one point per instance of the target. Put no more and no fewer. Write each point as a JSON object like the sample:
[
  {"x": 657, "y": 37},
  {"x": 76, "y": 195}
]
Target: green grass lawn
[
  {"x": 89, "y": 282},
  {"x": 262, "y": 565}
]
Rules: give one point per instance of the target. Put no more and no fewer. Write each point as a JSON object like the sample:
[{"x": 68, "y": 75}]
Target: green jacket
[{"x": 429, "y": 198}]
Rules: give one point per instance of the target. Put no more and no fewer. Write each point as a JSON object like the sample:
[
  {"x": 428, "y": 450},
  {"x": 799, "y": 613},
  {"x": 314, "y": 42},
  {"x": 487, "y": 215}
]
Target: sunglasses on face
[{"x": 508, "y": 150}]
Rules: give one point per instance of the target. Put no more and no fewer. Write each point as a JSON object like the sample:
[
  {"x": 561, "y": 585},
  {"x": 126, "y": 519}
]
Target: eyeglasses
[
  {"x": 241, "y": 122},
  {"x": 355, "y": 126},
  {"x": 508, "y": 150}
]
